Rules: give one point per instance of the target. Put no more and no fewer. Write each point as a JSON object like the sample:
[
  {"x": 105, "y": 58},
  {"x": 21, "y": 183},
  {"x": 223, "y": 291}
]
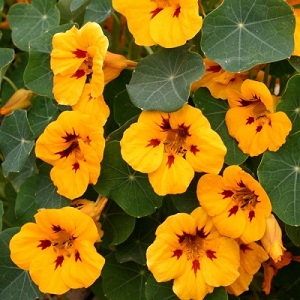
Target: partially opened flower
[
  {"x": 77, "y": 58},
  {"x": 252, "y": 119},
  {"x": 169, "y": 23},
  {"x": 58, "y": 250},
  {"x": 74, "y": 145},
  {"x": 237, "y": 203},
  {"x": 170, "y": 147},
  {"x": 251, "y": 257},
  {"x": 188, "y": 249}
]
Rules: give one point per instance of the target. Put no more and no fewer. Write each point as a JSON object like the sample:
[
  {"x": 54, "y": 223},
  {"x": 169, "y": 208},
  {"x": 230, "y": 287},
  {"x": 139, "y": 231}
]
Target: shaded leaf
[
  {"x": 162, "y": 81},
  {"x": 134, "y": 248},
  {"x": 279, "y": 174},
  {"x": 130, "y": 189},
  {"x": 1, "y": 214},
  {"x": 98, "y": 11},
  {"x": 71, "y": 13},
  {"x": 16, "y": 141},
  {"x": 123, "y": 281},
  {"x": 240, "y": 34},
  {"x": 293, "y": 233},
  {"x": 6, "y": 57},
  {"x": 218, "y": 294},
  {"x": 75, "y": 4},
  {"x": 15, "y": 284},
  {"x": 29, "y": 21},
  {"x": 290, "y": 102},
  {"x": 215, "y": 111},
  {"x": 295, "y": 62},
  {"x": 46, "y": 192}
]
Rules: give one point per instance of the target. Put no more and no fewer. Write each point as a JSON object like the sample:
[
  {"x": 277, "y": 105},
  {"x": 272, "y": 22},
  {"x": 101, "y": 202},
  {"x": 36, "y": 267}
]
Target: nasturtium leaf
[
  {"x": 16, "y": 141},
  {"x": 159, "y": 290},
  {"x": 26, "y": 206},
  {"x": 116, "y": 224},
  {"x": 6, "y": 57},
  {"x": 240, "y": 34},
  {"x": 162, "y": 81},
  {"x": 98, "y": 11},
  {"x": 41, "y": 113},
  {"x": 218, "y": 294},
  {"x": 70, "y": 15},
  {"x": 215, "y": 111},
  {"x": 29, "y": 21},
  {"x": 15, "y": 284},
  {"x": 38, "y": 76},
  {"x": 123, "y": 281},
  {"x": 295, "y": 62},
  {"x": 130, "y": 189},
  {"x": 279, "y": 174},
  {"x": 134, "y": 248},
  {"x": 75, "y": 4},
  {"x": 46, "y": 192},
  {"x": 290, "y": 102},
  {"x": 1, "y": 214},
  {"x": 293, "y": 233}
]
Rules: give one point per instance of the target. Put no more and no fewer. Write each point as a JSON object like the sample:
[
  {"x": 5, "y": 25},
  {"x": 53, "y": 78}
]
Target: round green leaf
[
  {"x": 290, "y": 102},
  {"x": 28, "y": 22},
  {"x": 15, "y": 284},
  {"x": 279, "y": 174},
  {"x": 6, "y": 57},
  {"x": 98, "y": 11},
  {"x": 123, "y": 281},
  {"x": 16, "y": 141},
  {"x": 240, "y": 34},
  {"x": 293, "y": 233},
  {"x": 162, "y": 81},
  {"x": 215, "y": 111},
  {"x": 295, "y": 62},
  {"x": 130, "y": 189}
]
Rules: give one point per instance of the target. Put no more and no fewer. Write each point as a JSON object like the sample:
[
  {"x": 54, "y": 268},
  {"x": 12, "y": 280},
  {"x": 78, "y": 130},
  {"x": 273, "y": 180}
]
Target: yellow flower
[
  {"x": 252, "y": 119},
  {"x": 74, "y": 145},
  {"x": 297, "y": 32},
  {"x": 218, "y": 81},
  {"x": 190, "y": 250},
  {"x": 171, "y": 146},
  {"x": 77, "y": 57},
  {"x": 57, "y": 248},
  {"x": 272, "y": 239},
  {"x": 237, "y": 203},
  {"x": 169, "y": 23},
  {"x": 20, "y": 99},
  {"x": 251, "y": 257}
]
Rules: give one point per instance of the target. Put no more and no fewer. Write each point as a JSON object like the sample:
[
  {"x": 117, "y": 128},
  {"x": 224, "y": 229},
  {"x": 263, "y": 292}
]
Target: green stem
[
  {"x": 10, "y": 83},
  {"x": 266, "y": 75},
  {"x": 148, "y": 49}
]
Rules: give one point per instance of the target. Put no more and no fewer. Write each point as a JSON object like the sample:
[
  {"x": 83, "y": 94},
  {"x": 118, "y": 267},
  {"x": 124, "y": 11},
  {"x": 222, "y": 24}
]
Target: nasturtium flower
[
  {"x": 168, "y": 23},
  {"x": 189, "y": 249},
  {"x": 251, "y": 257},
  {"x": 170, "y": 147},
  {"x": 218, "y": 81},
  {"x": 58, "y": 250},
  {"x": 74, "y": 145},
  {"x": 297, "y": 32},
  {"x": 253, "y": 121},
  {"x": 77, "y": 58},
  {"x": 237, "y": 203}
]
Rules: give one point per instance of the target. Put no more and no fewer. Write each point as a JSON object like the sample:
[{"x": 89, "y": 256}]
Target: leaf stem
[
  {"x": 148, "y": 49},
  {"x": 10, "y": 83}
]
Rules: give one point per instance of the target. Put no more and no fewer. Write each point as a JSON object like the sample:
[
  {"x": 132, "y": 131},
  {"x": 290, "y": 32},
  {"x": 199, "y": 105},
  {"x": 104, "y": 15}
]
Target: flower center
[
  {"x": 175, "y": 142},
  {"x": 63, "y": 243},
  {"x": 162, "y": 3},
  {"x": 245, "y": 198},
  {"x": 191, "y": 245}
]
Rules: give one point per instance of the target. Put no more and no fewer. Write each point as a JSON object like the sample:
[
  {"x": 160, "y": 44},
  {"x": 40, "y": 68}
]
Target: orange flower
[
  {"x": 297, "y": 32},
  {"x": 237, "y": 203}
]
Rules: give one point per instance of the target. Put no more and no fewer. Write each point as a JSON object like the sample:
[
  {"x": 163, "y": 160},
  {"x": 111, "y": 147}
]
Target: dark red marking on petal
[
  {"x": 70, "y": 136},
  {"x": 80, "y": 53},
  {"x": 76, "y": 166},
  {"x": 181, "y": 237},
  {"x": 244, "y": 102},
  {"x": 214, "y": 69},
  {"x": 69, "y": 150},
  {"x": 177, "y": 253},
  {"x": 176, "y": 12},
  {"x": 244, "y": 247},
  {"x": 233, "y": 210},
  {"x": 259, "y": 128},
  {"x": 227, "y": 194},
  {"x": 77, "y": 256},
  {"x": 194, "y": 149},
  {"x": 56, "y": 228},
  {"x": 171, "y": 159},
  {"x": 155, "y": 12},
  {"x": 165, "y": 124},
  {"x": 196, "y": 266},
  {"x": 44, "y": 244},
  {"x": 58, "y": 262},
  {"x": 250, "y": 120},
  {"x": 183, "y": 130},
  {"x": 210, "y": 254},
  {"x": 241, "y": 184},
  {"x": 251, "y": 215},
  {"x": 270, "y": 123},
  {"x": 78, "y": 74},
  {"x": 201, "y": 233},
  {"x": 154, "y": 143}
]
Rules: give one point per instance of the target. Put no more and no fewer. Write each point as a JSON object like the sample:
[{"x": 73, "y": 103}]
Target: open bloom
[
  {"x": 58, "y": 250},
  {"x": 252, "y": 119},
  {"x": 169, "y": 23},
  {"x": 297, "y": 32},
  {"x": 171, "y": 146},
  {"x": 251, "y": 257},
  {"x": 74, "y": 145},
  {"x": 188, "y": 249},
  {"x": 237, "y": 203},
  {"x": 77, "y": 57}
]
